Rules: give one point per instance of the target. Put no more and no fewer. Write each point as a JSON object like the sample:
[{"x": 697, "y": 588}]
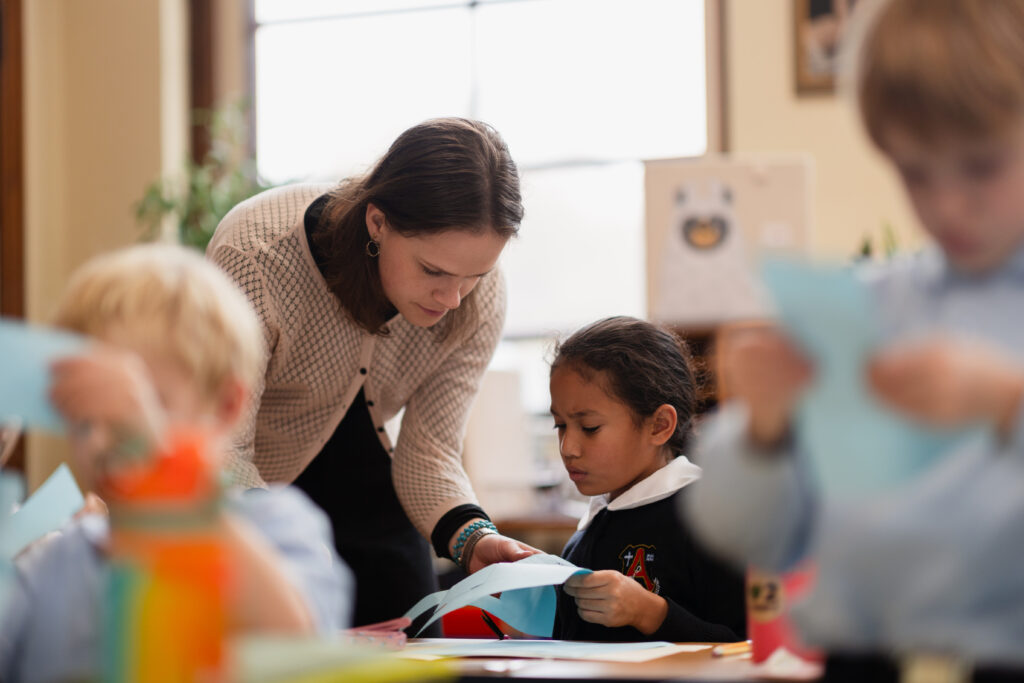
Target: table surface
[{"x": 695, "y": 666}]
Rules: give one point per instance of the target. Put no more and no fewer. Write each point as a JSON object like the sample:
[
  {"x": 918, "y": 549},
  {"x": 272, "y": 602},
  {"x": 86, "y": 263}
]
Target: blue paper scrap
[
  {"x": 48, "y": 509},
  {"x": 856, "y": 445},
  {"x": 528, "y": 599},
  {"x": 27, "y": 353}
]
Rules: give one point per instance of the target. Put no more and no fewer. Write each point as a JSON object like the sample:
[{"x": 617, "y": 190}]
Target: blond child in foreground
[{"x": 177, "y": 347}]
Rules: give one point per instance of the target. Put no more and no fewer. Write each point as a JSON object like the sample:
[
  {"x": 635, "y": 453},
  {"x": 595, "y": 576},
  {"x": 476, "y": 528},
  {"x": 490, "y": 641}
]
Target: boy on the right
[{"x": 929, "y": 578}]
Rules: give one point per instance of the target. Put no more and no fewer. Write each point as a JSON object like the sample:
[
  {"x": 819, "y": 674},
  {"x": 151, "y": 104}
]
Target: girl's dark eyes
[
  {"x": 588, "y": 430},
  {"x": 432, "y": 273}
]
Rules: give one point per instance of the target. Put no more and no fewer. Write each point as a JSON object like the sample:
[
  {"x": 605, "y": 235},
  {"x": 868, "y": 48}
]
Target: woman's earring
[{"x": 372, "y": 249}]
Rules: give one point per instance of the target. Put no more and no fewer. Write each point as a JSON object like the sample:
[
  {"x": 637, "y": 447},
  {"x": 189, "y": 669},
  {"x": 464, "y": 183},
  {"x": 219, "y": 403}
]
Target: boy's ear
[
  {"x": 663, "y": 424},
  {"x": 232, "y": 401}
]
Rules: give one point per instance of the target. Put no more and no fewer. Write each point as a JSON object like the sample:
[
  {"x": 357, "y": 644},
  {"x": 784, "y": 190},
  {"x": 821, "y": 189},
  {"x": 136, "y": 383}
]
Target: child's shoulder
[
  {"x": 903, "y": 273},
  {"x": 277, "y": 504},
  {"x": 78, "y": 545},
  {"x": 300, "y": 533},
  {"x": 49, "y": 611},
  {"x": 287, "y": 518}
]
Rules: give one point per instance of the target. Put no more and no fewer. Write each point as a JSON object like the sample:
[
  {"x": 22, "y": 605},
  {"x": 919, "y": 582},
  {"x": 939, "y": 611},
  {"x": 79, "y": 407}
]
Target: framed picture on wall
[{"x": 818, "y": 31}]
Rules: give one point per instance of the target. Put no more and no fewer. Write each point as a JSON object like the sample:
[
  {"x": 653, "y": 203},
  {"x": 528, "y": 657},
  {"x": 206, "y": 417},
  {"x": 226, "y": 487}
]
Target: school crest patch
[{"x": 637, "y": 563}]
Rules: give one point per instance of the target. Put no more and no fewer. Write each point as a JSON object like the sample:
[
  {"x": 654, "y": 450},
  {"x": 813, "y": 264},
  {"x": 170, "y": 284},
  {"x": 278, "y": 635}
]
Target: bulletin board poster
[{"x": 709, "y": 222}]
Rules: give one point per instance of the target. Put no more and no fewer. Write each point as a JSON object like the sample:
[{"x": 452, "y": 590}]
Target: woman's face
[{"x": 426, "y": 276}]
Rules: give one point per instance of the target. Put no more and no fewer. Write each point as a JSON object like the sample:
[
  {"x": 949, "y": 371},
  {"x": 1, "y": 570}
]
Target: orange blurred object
[{"x": 169, "y": 588}]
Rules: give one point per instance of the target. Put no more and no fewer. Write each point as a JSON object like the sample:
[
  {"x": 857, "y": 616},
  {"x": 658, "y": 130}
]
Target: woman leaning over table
[{"x": 376, "y": 295}]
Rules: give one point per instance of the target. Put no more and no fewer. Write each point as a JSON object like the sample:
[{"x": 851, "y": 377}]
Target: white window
[{"x": 581, "y": 90}]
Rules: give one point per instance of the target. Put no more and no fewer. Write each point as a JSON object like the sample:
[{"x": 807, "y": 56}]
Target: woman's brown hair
[
  {"x": 642, "y": 365},
  {"x": 442, "y": 174}
]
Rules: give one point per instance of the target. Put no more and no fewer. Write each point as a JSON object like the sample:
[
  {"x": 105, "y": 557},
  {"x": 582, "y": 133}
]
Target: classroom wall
[
  {"x": 854, "y": 190},
  {"x": 230, "y": 51},
  {"x": 105, "y": 114}
]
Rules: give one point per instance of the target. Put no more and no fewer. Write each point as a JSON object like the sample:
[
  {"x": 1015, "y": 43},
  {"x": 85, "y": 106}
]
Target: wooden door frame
[
  {"x": 12, "y": 180},
  {"x": 12, "y": 175}
]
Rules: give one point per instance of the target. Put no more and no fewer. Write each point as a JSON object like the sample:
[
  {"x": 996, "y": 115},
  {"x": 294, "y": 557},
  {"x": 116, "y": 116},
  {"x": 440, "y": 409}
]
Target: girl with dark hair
[
  {"x": 376, "y": 296},
  {"x": 622, "y": 396}
]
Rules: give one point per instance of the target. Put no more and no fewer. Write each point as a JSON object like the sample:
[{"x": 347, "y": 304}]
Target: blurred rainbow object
[{"x": 166, "y": 613}]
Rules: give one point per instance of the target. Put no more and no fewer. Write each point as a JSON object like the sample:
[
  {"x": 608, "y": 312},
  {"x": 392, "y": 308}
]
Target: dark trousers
[{"x": 351, "y": 480}]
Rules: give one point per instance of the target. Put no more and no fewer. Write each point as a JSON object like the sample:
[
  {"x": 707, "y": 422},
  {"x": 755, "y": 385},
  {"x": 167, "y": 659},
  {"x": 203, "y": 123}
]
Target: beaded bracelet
[
  {"x": 461, "y": 541},
  {"x": 467, "y": 551}
]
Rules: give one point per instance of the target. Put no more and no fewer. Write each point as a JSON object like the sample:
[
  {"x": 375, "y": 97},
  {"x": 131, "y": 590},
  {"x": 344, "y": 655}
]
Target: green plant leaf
[{"x": 209, "y": 189}]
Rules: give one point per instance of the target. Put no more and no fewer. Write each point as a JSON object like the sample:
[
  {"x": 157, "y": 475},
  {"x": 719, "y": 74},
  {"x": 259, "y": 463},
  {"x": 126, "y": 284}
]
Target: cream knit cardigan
[{"x": 318, "y": 359}]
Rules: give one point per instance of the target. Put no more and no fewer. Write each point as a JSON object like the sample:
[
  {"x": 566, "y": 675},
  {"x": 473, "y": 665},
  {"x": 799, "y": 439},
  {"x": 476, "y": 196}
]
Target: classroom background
[{"x": 99, "y": 102}]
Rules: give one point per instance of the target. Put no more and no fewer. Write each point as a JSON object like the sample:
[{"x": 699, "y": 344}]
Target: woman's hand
[
  {"x": 494, "y": 548},
  {"x": 946, "y": 382},
  {"x": 611, "y": 598},
  {"x": 768, "y": 373}
]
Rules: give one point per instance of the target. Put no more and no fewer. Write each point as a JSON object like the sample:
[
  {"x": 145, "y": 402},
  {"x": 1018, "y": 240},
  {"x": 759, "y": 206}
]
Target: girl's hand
[
  {"x": 611, "y": 598},
  {"x": 494, "y": 548},
  {"x": 944, "y": 382},
  {"x": 765, "y": 370},
  {"x": 108, "y": 397}
]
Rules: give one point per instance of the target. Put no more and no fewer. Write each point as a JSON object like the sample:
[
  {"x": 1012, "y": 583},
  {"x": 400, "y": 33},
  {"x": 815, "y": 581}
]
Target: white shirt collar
[{"x": 659, "y": 485}]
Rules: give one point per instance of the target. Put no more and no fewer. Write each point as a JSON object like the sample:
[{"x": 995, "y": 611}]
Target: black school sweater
[{"x": 650, "y": 542}]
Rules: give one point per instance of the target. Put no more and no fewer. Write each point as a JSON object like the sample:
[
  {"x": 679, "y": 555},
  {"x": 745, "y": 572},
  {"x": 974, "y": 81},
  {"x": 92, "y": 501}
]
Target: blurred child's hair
[
  {"x": 638, "y": 363},
  {"x": 169, "y": 300},
  {"x": 940, "y": 68}
]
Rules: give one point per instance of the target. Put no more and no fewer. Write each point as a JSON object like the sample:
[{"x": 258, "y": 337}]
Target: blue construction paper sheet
[
  {"x": 48, "y": 509},
  {"x": 527, "y": 601},
  {"x": 26, "y": 353},
  {"x": 856, "y": 445}
]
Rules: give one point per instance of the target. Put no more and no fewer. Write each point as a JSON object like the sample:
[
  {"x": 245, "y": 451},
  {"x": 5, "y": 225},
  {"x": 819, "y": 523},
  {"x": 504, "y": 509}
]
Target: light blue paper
[
  {"x": 545, "y": 649},
  {"x": 528, "y": 599},
  {"x": 530, "y": 610},
  {"x": 49, "y": 508},
  {"x": 857, "y": 446},
  {"x": 432, "y": 600},
  {"x": 26, "y": 353}
]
